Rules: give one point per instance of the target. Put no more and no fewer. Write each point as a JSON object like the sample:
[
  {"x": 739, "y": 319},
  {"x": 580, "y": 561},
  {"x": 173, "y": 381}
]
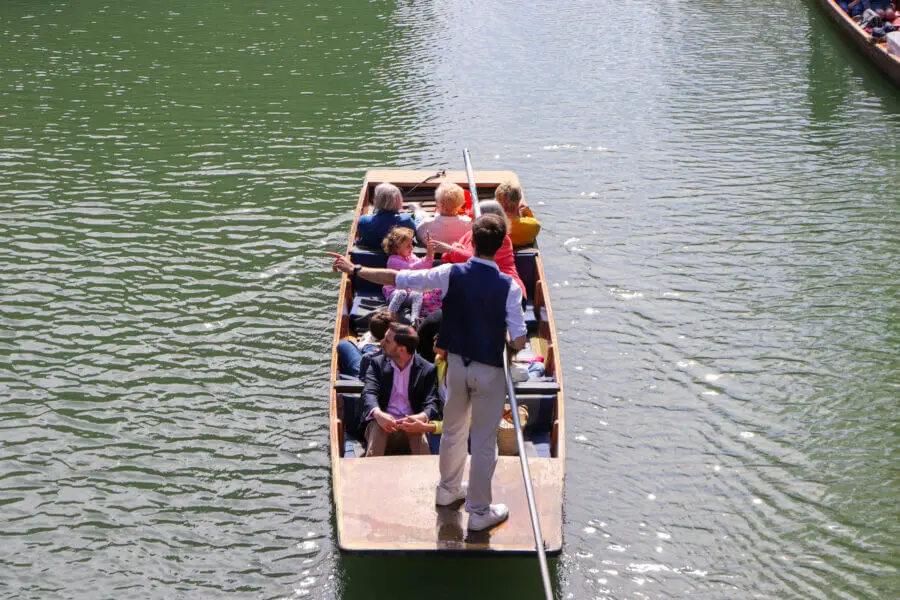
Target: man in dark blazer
[{"x": 400, "y": 387}]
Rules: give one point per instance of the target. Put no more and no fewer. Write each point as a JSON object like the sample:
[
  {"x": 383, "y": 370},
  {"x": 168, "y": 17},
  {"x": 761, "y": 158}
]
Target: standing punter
[{"x": 480, "y": 304}]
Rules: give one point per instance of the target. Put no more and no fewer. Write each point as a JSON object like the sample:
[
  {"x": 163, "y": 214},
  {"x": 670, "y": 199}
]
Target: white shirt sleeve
[
  {"x": 437, "y": 278},
  {"x": 515, "y": 316}
]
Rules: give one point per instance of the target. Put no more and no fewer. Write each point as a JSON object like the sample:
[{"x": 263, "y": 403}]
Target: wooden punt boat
[
  {"x": 876, "y": 50},
  {"x": 386, "y": 504}
]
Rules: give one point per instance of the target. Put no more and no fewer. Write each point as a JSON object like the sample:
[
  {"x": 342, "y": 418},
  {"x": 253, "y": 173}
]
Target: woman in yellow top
[{"x": 523, "y": 227}]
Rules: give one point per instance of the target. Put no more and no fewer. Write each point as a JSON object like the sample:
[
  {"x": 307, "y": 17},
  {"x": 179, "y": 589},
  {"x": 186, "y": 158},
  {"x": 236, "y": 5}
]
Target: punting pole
[{"x": 520, "y": 441}]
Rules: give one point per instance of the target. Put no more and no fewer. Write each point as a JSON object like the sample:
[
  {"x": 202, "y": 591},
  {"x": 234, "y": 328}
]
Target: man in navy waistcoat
[{"x": 480, "y": 305}]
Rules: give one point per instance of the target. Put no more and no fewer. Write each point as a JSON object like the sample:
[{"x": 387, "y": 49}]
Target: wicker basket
[{"x": 506, "y": 433}]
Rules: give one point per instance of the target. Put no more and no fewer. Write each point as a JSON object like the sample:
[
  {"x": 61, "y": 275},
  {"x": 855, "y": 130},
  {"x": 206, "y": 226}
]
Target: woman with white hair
[
  {"x": 447, "y": 225},
  {"x": 386, "y": 204}
]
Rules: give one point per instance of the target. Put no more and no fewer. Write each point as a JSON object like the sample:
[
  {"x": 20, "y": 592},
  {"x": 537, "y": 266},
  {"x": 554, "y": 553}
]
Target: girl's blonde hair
[
  {"x": 508, "y": 194},
  {"x": 394, "y": 238}
]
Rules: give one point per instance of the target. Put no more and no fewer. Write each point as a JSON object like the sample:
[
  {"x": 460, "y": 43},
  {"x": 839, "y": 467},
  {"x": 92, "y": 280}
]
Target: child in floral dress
[{"x": 398, "y": 244}]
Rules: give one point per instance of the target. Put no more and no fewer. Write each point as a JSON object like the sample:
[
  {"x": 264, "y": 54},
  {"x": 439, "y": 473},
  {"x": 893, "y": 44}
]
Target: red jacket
[{"x": 463, "y": 250}]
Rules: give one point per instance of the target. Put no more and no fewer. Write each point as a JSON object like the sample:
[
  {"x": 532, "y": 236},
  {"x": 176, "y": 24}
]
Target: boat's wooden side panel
[
  {"x": 888, "y": 63},
  {"x": 547, "y": 329},
  {"x": 387, "y": 503}
]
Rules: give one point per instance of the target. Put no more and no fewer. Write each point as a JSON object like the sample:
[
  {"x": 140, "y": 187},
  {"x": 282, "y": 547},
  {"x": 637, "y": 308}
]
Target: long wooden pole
[{"x": 520, "y": 441}]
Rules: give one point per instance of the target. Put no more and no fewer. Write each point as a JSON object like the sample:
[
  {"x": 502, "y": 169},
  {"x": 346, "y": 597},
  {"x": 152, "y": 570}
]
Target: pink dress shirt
[{"x": 398, "y": 405}]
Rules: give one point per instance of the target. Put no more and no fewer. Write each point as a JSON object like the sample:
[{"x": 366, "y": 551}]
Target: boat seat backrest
[
  {"x": 351, "y": 416},
  {"x": 541, "y": 412},
  {"x": 367, "y": 258},
  {"x": 526, "y": 265},
  {"x": 362, "y": 308}
]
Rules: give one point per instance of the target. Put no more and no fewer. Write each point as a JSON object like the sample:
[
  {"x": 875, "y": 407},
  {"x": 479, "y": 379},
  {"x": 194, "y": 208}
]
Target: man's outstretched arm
[{"x": 379, "y": 276}]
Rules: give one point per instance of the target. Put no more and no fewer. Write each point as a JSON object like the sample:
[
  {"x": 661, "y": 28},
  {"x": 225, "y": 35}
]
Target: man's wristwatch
[{"x": 356, "y": 270}]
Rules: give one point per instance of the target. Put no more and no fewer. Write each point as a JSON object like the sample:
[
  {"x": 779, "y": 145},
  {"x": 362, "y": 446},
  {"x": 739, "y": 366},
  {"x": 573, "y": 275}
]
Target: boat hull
[{"x": 888, "y": 63}]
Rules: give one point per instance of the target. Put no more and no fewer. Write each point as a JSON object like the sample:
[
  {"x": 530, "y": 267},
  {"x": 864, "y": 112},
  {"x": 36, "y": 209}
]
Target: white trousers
[{"x": 475, "y": 393}]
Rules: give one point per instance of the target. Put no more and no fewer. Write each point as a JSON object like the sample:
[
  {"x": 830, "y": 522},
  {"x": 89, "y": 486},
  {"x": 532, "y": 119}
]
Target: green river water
[{"x": 719, "y": 188}]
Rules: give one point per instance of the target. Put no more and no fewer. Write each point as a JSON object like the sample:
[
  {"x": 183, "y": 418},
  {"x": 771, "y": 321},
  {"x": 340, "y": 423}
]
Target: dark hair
[
  {"x": 488, "y": 233},
  {"x": 379, "y": 322},
  {"x": 405, "y": 336}
]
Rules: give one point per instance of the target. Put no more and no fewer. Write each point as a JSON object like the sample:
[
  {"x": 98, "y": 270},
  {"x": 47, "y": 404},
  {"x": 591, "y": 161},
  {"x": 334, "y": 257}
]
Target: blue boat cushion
[
  {"x": 526, "y": 265},
  {"x": 541, "y": 442},
  {"x": 362, "y": 308},
  {"x": 367, "y": 258}
]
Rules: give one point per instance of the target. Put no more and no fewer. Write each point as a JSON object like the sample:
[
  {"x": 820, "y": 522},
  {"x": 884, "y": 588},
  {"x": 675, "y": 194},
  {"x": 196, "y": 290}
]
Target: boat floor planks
[{"x": 390, "y": 501}]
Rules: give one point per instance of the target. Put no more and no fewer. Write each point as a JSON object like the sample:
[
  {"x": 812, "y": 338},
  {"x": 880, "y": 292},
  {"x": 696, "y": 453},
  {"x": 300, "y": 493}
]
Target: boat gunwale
[{"x": 888, "y": 63}]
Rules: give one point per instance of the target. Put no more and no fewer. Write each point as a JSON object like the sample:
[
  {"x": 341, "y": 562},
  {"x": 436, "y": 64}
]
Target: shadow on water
[{"x": 444, "y": 577}]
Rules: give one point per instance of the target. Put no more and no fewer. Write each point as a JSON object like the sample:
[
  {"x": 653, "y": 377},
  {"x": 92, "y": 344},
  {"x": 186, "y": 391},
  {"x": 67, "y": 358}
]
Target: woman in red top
[{"x": 463, "y": 250}]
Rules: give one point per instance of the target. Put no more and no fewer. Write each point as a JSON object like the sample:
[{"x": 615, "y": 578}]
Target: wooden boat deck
[{"x": 403, "y": 515}]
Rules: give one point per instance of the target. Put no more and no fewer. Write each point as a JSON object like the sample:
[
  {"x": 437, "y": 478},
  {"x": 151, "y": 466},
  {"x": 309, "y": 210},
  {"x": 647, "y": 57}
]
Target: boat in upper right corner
[{"x": 883, "y": 52}]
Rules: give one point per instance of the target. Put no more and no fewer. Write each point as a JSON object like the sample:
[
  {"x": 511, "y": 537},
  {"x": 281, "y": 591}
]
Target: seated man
[
  {"x": 354, "y": 357},
  {"x": 400, "y": 388},
  {"x": 523, "y": 227},
  {"x": 447, "y": 225}
]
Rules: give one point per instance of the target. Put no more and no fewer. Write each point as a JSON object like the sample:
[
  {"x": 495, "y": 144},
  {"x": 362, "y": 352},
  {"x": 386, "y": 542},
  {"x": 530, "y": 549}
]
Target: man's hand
[
  {"x": 415, "y": 424},
  {"x": 516, "y": 344},
  {"x": 385, "y": 420},
  {"x": 341, "y": 263},
  {"x": 523, "y": 208}
]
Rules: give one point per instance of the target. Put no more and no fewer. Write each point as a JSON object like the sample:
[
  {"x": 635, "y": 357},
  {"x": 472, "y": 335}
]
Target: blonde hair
[
  {"x": 387, "y": 197},
  {"x": 508, "y": 194},
  {"x": 448, "y": 198},
  {"x": 395, "y": 237}
]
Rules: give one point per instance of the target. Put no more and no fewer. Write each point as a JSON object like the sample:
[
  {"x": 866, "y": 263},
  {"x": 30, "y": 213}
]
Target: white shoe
[
  {"x": 496, "y": 514},
  {"x": 445, "y": 498}
]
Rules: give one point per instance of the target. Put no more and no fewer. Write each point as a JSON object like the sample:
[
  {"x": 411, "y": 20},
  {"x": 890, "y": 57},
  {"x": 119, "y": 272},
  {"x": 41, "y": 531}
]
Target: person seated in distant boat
[
  {"x": 447, "y": 225},
  {"x": 386, "y": 204},
  {"x": 854, "y": 8},
  {"x": 858, "y": 7},
  {"x": 400, "y": 390},
  {"x": 354, "y": 357},
  {"x": 523, "y": 227},
  {"x": 464, "y": 249}
]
